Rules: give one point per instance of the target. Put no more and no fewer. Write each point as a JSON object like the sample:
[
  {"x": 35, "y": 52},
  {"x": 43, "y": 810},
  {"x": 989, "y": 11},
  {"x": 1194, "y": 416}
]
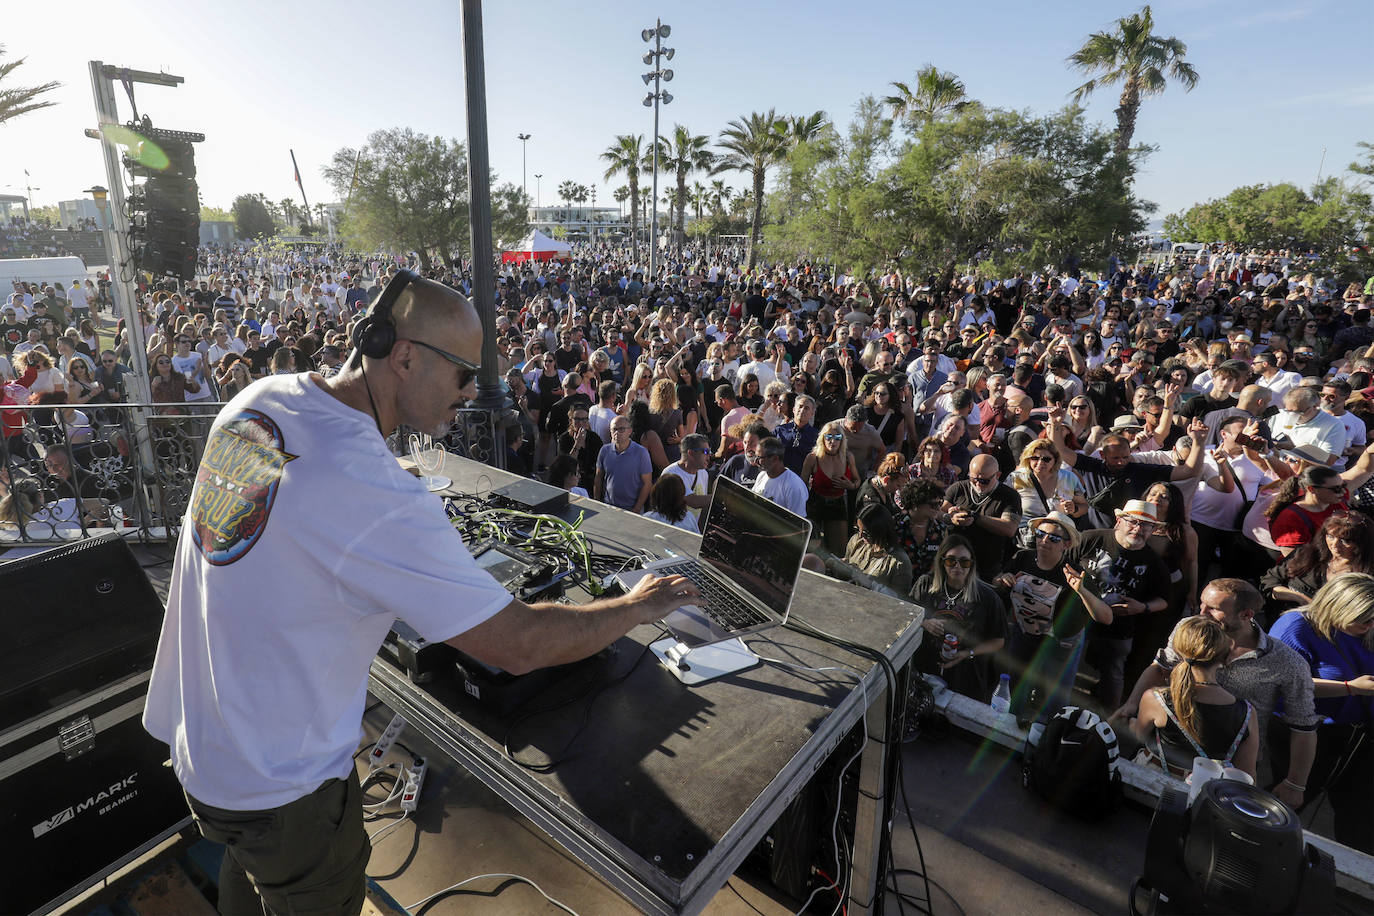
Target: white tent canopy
[{"x": 537, "y": 247}]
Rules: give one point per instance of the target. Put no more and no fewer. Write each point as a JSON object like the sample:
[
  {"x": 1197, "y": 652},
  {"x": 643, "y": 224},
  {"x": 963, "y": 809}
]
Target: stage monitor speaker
[
  {"x": 78, "y": 618},
  {"x": 83, "y": 788}
]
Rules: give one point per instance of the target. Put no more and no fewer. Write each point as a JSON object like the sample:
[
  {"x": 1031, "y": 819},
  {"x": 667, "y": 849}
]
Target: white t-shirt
[
  {"x": 261, "y": 671},
  {"x": 599, "y": 419},
  {"x": 786, "y": 490},
  {"x": 696, "y": 485}
]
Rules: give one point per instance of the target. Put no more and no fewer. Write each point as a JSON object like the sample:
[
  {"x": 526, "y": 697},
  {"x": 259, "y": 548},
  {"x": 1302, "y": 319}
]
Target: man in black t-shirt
[
  {"x": 1118, "y": 567},
  {"x": 1221, "y": 396},
  {"x": 1114, "y": 478},
  {"x": 755, "y": 305},
  {"x": 583, "y": 444},
  {"x": 985, "y": 511}
]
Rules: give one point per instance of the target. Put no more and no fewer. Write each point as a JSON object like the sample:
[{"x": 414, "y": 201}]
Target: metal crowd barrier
[{"x": 131, "y": 467}]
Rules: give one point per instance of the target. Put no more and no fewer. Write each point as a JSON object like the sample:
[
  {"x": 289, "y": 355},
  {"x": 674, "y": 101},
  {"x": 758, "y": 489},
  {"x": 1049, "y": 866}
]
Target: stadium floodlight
[
  {"x": 667, "y": 97},
  {"x": 667, "y": 75},
  {"x": 647, "y": 34},
  {"x": 648, "y": 78},
  {"x": 668, "y": 53},
  {"x": 648, "y": 57},
  {"x": 665, "y": 30},
  {"x": 649, "y": 100}
]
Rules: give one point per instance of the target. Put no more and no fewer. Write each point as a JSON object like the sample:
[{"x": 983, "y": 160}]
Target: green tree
[
  {"x": 251, "y": 217},
  {"x": 753, "y": 145},
  {"x": 510, "y": 217},
  {"x": 411, "y": 193},
  {"x": 626, "y": 156},
  {"x": 566, "y": 191},
  {"x": 1332, "y": 219},
  {"x": 935, "y": 95},
  {"x": 621, "y": 195},
  {"x": 1141, "y": 61},
  {"x": 987, "y": 186},
  {"x": 683, "y": 153},
  {"x": 19, "y": 100},
  {"x": 214, "y": 214}
]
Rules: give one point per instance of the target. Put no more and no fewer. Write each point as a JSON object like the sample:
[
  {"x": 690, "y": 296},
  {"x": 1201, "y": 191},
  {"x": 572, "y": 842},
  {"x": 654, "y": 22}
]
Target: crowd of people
[{"x": 1153, "y": 485}]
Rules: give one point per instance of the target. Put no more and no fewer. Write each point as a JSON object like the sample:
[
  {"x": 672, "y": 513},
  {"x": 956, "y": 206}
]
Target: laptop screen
[{"x": 755, "y": 542}]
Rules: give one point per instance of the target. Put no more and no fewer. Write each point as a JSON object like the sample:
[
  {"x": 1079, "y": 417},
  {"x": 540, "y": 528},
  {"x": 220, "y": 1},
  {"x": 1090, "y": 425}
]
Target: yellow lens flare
[{"x": 140, "y": 149}]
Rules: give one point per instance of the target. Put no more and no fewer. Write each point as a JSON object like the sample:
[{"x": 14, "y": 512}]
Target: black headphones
[{"x": 375, "y": 334}]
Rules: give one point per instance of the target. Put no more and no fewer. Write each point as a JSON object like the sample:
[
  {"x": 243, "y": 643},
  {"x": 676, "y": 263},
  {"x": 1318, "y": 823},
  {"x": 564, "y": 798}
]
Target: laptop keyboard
[{"x": 728, "y": 611}]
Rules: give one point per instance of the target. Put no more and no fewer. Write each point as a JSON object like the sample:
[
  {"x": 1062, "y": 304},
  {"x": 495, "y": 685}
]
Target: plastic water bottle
[{"x": 1001, "y": 697}]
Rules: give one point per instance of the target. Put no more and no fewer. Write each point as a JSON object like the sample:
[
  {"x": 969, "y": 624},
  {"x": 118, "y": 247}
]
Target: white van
[{"x": 42, "y": 271}]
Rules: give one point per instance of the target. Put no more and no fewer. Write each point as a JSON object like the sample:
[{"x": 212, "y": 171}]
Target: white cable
[
  {"x": 453, "y": 887},
  {"x": 839, "y": 789},
  {"x": 396, "y": 787},
  {"x": 380, "y": 835}
]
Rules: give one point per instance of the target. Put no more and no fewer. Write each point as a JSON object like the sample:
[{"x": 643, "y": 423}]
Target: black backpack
[{"x": 1076, "y": 765}]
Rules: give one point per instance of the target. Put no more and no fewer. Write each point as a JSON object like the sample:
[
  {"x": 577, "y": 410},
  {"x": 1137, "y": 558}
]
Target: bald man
[
  {"x": 987, "y": 512},
  {"x": 303, "y": 541}
]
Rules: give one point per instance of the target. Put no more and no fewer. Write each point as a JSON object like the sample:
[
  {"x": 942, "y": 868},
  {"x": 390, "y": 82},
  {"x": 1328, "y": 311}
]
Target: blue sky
[{"x": 1279, "y": 80}]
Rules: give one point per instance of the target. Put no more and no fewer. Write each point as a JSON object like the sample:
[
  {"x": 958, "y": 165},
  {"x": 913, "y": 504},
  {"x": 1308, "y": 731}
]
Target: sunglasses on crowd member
[
  {"x": 1049, "y": 537},
  {"x": 960, "y": 562}
]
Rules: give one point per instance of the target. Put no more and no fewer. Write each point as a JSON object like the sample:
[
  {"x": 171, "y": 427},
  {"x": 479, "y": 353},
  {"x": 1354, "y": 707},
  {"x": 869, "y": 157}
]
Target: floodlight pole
[
  {"x": 491, "y": 391},
  {"x": 653, "y": 224}
]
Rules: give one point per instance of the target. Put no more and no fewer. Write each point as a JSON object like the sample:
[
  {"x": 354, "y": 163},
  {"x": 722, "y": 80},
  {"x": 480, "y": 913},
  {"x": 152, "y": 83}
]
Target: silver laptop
[{"x": 747, "y": 567}]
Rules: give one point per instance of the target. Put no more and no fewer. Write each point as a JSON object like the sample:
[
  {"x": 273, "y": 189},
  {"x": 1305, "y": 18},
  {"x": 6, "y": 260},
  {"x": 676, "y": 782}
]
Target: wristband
[
  {"x": 1348, "y": 691},
  {"x": 1293, "y": 785}
]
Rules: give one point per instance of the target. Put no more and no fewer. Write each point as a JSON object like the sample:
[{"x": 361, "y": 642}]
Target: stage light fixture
[{"x": 1236, "y": 849}]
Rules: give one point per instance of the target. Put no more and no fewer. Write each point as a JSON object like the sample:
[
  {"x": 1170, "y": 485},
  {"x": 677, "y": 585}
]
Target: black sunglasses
[{"x": 469, "y": 372}]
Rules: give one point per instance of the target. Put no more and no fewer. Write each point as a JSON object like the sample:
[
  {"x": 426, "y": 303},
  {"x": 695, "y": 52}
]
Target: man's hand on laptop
[{"x": 658, "y": 596}]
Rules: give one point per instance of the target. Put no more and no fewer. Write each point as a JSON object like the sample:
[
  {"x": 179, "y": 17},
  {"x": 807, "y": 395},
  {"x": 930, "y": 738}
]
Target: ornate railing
[{"x": 130, "y": 467}]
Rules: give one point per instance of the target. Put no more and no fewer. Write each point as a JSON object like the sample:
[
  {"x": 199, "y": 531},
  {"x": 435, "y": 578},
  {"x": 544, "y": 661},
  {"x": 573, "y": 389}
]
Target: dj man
[{"x": 273, "y": 618}]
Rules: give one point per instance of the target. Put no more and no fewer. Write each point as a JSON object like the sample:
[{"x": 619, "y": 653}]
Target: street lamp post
[
  {"x": 657, "y": 76},
  {"x": 591, "y": 217},
  {"x": 537, "y": 186},
  {"x": 524, "y": 184}
]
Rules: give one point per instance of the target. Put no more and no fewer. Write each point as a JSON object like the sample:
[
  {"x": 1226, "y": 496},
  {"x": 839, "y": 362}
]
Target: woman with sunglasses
[
  {"x": 1045, "y": 643},
  {"x": 1085, "y": 434},
  {"x": 922, "y": 524},
  {"x": 830, "y": 474},
  {"x": 959, "y": 605},
  {"x": 82, "y": 388},
  {"x": 169, "y": 386},
  {"x": 1045, "y": 485},
  {"x": 1302, "y": 505}
]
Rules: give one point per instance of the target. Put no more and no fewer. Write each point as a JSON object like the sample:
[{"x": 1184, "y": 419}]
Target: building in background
[
  {"x": 580, "y": 224},
  {"x": 73, "y": 212}
]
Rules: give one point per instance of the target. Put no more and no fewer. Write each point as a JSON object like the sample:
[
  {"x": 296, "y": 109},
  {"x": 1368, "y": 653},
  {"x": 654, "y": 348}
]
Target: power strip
[
  {"x": 415, "y": 779},
  {"x": 384, "y": 741}
]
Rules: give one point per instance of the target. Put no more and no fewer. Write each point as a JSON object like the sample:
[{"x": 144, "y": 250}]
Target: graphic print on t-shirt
[
  {"x": 236, "y": 485},
  {"x": 1032, "y": 603}
]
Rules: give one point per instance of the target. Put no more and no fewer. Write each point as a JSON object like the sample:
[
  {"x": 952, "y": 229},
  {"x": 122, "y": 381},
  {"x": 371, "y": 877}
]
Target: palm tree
[
  {"x": 804, "y": 128},
  {"x": 18, "y": 100},
  {"x": 752, "y": 145},
  {"x": 683, "y": 154},
  {"x": 720, "y": 195},
  {"x": 566, "y": 191},
  {"x": 698, "y": 198},
  {"x": 580, "y": 193},
  {"x": 937, "y": 94},
  {"x": 1139, "y": 60},
  {"x": 621, "y": 194},
  {"x": 288, "y": 210},
  {"x": 626, "y": 155}
]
